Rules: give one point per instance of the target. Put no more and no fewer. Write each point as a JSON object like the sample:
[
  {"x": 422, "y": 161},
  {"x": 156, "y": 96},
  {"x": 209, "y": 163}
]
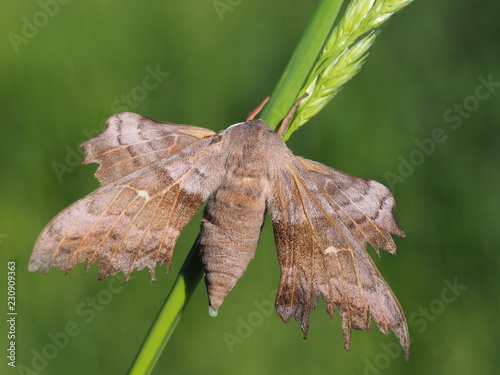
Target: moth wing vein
[{"x": 79, "y": 246}]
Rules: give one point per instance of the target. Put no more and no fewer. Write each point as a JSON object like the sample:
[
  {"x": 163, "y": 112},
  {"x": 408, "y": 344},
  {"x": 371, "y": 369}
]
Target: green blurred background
[{"x": 77, "y": 69}]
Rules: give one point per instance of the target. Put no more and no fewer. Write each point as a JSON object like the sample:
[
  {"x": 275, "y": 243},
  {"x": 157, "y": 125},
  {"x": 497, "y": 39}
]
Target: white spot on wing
[
  {"x": 331, "y": 249},
  {"x": 143, "y": 194}
]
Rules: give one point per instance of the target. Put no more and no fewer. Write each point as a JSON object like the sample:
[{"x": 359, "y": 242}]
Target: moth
[{"x": 155, "y": 176}]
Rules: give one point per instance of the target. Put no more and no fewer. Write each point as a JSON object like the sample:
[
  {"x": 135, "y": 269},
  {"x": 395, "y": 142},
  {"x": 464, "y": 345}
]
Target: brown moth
[{"x": 155, "y": 176}]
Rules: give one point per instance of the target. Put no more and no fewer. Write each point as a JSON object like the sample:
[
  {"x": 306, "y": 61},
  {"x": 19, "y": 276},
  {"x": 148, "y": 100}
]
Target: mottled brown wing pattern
[
  {"x": 365, "y": 206},
  {"x": 131, "y": 141},
  {"x": 321, "y": 226},
  {"x": 133, "y": 221}
]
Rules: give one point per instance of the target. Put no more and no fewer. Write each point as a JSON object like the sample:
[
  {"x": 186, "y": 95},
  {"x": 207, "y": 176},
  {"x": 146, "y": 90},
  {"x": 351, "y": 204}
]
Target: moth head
[{"x": 256, "y": 130}]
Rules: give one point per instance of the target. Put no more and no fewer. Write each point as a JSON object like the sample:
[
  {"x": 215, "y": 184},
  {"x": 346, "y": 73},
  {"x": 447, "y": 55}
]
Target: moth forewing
[
  {"x": 131, "y": 142},
  {"x": 134, "y": 219}
]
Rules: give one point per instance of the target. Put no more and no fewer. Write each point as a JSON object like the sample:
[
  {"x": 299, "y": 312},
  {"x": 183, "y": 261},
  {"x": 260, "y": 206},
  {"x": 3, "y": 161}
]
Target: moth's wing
[
  {"x": 365, "y": 206},
  {"x": 131, "y": 141},
  {"x": 155, "y": 177},
  {"x": 320, "y": 227}
]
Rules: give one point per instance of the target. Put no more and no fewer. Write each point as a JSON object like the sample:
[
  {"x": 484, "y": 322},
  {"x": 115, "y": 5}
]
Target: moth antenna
[
  {"x": 288, "y": 118},
  {"x": 254, "y": 113}
]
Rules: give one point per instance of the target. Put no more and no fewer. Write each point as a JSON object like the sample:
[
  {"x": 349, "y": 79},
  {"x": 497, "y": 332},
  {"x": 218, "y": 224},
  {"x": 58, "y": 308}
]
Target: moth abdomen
[{"x": 230, "y": 233}]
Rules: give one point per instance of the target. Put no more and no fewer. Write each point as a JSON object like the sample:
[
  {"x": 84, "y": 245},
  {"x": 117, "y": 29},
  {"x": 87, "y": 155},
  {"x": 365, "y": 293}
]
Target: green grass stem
[
  {"x": 301, "y": 63},
  {"x": 169, "y": 314}
]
